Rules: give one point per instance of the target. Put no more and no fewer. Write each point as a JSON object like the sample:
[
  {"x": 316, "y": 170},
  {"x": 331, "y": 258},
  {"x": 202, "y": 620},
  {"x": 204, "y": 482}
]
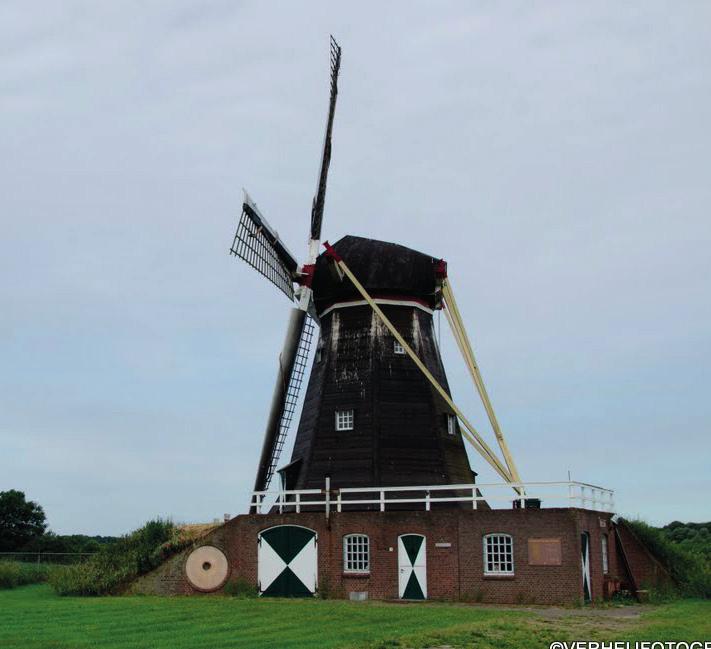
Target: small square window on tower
[
  {"x": 344, "y": 419},
  {"x": 451, "y": 424},
  {"x": 398, "y": 348}
]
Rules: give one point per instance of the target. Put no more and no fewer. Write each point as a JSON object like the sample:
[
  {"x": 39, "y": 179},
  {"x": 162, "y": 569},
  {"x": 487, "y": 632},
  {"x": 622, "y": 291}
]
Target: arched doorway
[
  {"x": 412, "y": 566},
  {"x": 287, "y": 561}
]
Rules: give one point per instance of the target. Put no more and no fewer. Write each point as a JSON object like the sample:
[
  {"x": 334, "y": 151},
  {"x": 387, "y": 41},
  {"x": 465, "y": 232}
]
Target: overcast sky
[{"x": 556, "y": 154}]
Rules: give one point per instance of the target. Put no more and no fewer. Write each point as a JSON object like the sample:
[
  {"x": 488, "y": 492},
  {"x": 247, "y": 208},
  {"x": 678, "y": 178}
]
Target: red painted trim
[
  {"x": 331, "y": 252},
  {"x": 307, "y": 275},
  {"x": 440, "y": 268}
]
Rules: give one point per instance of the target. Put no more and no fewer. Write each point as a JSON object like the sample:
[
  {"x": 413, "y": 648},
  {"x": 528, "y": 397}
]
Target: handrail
[{"x": 572, "y": 493}]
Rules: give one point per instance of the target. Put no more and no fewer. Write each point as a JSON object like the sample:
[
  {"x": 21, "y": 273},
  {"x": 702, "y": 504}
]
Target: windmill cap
[{"x": 385, "y": 270}]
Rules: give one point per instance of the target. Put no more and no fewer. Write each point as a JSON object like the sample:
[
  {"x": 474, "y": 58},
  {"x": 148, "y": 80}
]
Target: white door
[
  {"x": 412, "y": 566},
  {"x": 585, "y": 555}
]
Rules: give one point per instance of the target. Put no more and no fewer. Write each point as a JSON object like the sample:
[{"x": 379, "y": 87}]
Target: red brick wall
[
  {"x": 454, "y": 572},
  {"x": 530, "y": 584},
  {"x": 646, "y": 571}
]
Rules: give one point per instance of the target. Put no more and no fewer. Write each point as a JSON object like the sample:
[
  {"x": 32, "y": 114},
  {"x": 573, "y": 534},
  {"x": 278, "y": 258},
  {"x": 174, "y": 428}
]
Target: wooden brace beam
[
  {"x": 460, "y": 334},
  {"x": 470, "y": 434}
]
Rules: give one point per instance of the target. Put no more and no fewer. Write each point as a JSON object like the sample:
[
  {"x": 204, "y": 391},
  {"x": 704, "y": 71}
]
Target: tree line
[{"x": 24, "y": 528}]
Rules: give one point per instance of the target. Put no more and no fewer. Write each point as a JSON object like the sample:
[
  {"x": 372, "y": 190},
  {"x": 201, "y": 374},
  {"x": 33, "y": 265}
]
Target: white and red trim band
[{"x": 388, "y": 301}]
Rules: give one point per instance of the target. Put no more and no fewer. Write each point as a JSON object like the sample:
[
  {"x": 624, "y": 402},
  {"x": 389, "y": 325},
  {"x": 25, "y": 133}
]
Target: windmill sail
[
  {"x": 319, "y": 199},
  {"x": 260, "y": 246},
  {"x": 292, "y": 368},
  {"x": 257, "y": 243}
]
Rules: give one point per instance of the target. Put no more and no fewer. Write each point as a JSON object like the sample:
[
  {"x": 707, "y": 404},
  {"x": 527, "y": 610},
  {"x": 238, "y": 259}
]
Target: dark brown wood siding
[{"x": 400, "y": 429}]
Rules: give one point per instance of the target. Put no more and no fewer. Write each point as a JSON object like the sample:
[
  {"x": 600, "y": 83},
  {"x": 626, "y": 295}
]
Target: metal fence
[{"x": 65, "y": 558}]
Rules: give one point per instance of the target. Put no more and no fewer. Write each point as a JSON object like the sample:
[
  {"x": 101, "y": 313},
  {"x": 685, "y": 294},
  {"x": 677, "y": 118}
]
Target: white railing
[{"x": 495, "y": 495}]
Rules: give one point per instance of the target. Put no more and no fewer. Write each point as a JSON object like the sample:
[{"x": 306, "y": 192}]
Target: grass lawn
[{"x": 33, "y": 617}]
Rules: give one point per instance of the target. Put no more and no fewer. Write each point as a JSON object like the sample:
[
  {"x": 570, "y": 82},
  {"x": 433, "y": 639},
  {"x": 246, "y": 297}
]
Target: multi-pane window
[
  {"x": 397, "y": 347},
  {"x": 451, "y": 424},
  {"x": 344, "y": 420},
  {"x": 498, "y": 554},
  {"x": 356, "y": 553},
  {"x": 605, "y": 564}
]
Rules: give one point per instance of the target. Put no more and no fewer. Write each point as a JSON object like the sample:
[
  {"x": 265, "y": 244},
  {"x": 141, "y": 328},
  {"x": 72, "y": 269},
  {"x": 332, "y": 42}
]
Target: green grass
[
  {"x": 33, "y": 617},
  {"x": 679, "y": 620}
]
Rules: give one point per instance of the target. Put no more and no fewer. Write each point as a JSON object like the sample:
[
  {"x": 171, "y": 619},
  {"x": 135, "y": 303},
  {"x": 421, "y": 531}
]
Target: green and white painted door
[
  {"x": 585, "y": 556},
  {"x": 412, "y": 566},
  {"x": 287, "y": 561}
]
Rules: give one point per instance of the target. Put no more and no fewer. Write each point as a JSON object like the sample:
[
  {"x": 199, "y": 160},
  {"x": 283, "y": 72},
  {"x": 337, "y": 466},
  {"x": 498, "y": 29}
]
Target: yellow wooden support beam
[
  {"x": 474, "y": 438},
  {"x": 460, "y": 334}
]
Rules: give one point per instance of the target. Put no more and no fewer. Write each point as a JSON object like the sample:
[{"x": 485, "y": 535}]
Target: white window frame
[
  {"x": 356, "y": 553},
  {"x": 451, "y": 424},
  {"x": 345, "y": 419},
  {"x": 605, "y": 556},
  {"x": 498, "y": 555},
  {"x": 397, "y": 347}
]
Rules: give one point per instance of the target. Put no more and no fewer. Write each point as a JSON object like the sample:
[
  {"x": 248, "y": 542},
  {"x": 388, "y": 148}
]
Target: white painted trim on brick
[{"x": 344, "y": 305}]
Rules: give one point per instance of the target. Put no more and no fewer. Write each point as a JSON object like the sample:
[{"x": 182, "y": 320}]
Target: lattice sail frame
[
  {"x": 292, "y": 395},
  {"x": 257, "y": 244},
  {"x": 320, "y": 197}
]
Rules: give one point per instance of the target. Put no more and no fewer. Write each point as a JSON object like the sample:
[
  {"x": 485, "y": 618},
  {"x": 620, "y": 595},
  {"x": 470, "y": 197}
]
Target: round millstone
[{"x": 207, "y": 568}]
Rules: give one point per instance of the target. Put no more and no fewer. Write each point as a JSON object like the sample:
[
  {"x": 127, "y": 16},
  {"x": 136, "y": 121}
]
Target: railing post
[
  {"x": 328, "y": 496},
  {"x": 298, "y": 502},
  {"x": 474, "y": 498},
  {"x": 382, "y": 500},
  {"x": 427, "y": 500},
  {"x": 338, "y": 502},
  {"x": 571, "y": 495}
]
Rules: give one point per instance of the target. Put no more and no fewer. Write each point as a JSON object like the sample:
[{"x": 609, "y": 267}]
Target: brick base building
[{"x": 541, "y": 556}]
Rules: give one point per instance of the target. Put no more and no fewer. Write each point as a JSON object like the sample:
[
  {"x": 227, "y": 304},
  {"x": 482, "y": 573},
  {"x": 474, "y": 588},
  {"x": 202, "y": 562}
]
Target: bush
[
  {"x": 14, "y": 573},
  {"x": 693, "y": 537},
  {"x": 688, "y": 569},
  {"x": 9, "y": 574},
  {"x": 34, "y": 573},
  {"x": 116, "y": 564}
]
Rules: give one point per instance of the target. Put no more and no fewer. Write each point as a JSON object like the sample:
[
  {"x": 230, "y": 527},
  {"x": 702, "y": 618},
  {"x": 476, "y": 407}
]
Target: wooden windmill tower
[{"x": 377, "y": 410}]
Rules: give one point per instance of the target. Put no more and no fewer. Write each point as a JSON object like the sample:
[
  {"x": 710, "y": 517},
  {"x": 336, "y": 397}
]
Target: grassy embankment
[{"x": 34, "y": 617}]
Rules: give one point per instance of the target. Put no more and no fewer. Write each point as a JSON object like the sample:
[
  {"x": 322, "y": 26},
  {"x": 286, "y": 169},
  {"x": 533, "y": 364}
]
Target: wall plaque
[{"x": 544, "y": 552}]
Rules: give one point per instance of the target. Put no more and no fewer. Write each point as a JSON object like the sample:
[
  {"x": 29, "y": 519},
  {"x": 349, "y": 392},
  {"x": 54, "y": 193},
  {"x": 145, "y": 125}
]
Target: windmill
[{"x": 377, "y": 410}]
